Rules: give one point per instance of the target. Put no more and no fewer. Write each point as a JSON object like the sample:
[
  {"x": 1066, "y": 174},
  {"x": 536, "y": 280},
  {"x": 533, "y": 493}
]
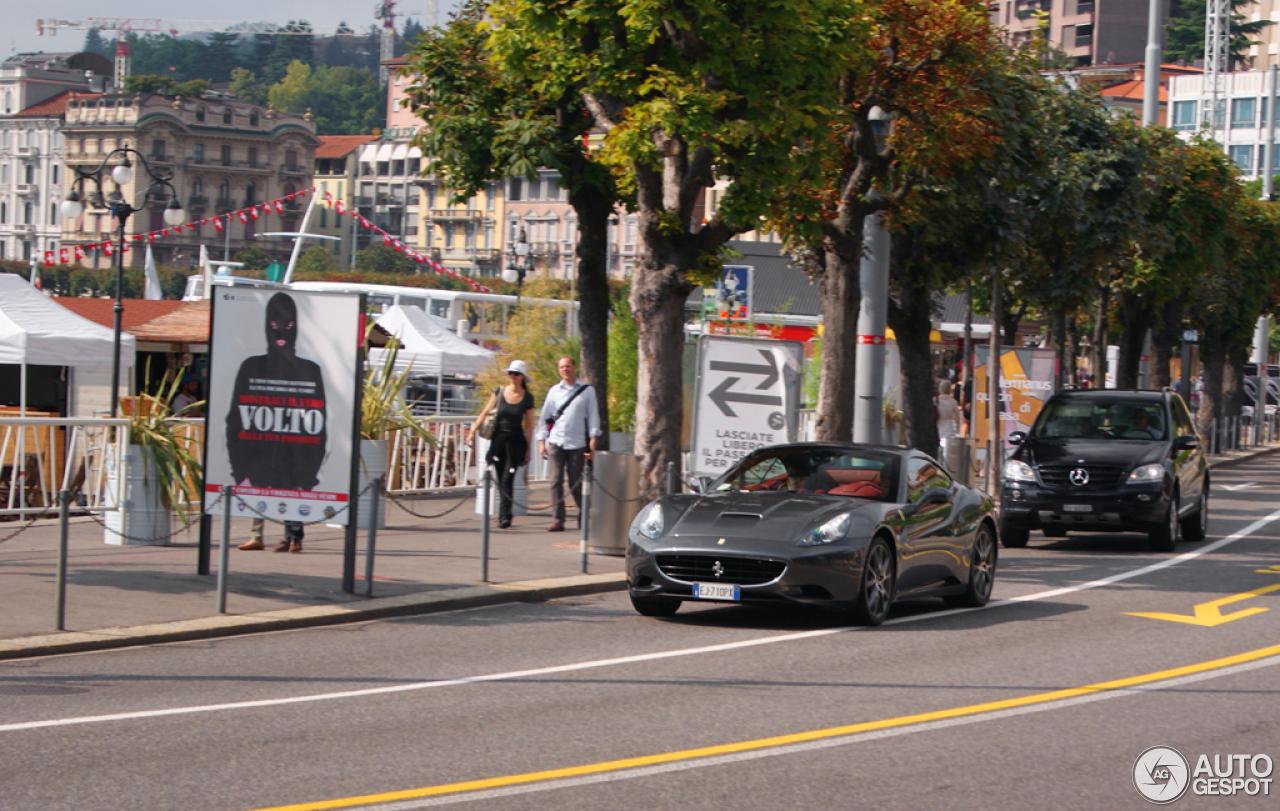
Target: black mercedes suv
[{"x": 1104, "y": 460}]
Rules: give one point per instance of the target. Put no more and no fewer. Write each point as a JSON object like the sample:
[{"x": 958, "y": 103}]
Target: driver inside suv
[{"x": 1142, "y": 427}]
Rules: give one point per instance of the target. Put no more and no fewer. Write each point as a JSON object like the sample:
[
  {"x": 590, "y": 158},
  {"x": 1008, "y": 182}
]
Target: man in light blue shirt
[{"x": 567, "y": 432}]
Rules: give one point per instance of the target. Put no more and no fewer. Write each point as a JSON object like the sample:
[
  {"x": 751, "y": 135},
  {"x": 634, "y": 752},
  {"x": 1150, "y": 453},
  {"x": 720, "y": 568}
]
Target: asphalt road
[{"x": 1044, "y": 699}]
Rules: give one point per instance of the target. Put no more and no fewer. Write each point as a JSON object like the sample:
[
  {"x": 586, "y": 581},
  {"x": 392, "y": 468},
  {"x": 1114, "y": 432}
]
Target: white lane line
[
  {"x": 625, "y": 660},
  {"x": 808, "y": 746}
]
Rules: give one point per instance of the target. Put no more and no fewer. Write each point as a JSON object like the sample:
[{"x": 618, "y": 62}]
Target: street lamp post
[
  {"x": 120, "y": 210},
  {"x": 517, "y": 263}
]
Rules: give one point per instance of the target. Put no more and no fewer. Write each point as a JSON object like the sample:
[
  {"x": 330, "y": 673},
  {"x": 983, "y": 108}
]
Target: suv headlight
[
  {"x": 651, "y": 522},
  {"x": 1018, "y": 471},
  {"x": 833, "y": 530},
  {"x": 1147, "y": 473}
]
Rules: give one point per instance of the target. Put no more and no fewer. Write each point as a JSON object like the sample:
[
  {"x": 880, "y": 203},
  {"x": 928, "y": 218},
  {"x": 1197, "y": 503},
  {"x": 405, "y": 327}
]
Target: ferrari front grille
[{"x": 704, "y": 568}]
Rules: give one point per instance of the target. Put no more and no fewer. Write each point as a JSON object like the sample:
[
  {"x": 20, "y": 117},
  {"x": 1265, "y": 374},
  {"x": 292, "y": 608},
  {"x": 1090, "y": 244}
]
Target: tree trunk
[
  {"x": 1137, "y": 319},
  {"x": 593, "y": 207},
  {"x": 1058, "y": 342},
  {"x": 658, "y": 292},
  {"x": 1212, "y": 360},
  {"x": 1233, "y": 380},
  {"x": 841, "y": 292},
  {"x": 1100, "y": 337},
  {"x": 1166, "y": 339},
  {"x": 911, "y": 322}
]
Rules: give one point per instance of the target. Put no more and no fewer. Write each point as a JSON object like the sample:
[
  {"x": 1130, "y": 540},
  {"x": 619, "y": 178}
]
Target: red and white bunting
[{"x": 217, "y": 223}]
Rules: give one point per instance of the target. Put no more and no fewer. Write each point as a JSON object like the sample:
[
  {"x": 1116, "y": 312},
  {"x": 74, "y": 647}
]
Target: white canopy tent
[
  {"x": 427, "y": 346},
  {"x": 35, "y": 330}
]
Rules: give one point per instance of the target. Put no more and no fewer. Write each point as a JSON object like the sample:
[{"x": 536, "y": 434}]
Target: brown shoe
[
  {"x": 557, "y": 527},
  {"x": 251, "y": 546},
  {"x": 283, "y": 547},
  {"x": 296, "y": 548}
]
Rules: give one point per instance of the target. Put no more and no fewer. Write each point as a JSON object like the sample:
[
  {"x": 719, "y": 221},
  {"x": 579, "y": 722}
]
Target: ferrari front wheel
[{"x": 875, "y": 591}]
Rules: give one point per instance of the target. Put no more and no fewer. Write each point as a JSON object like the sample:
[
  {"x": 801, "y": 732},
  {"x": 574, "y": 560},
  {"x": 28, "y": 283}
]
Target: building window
[
  {"x": 53, "y": 214},
  {"x": 513, "y": 193},
  {"x": 157, "y": 150},
  {"x": 253, "y": 156},
  {"x": 415, "y": 166},
  {"x": 324, "y": 220},
  {"x": 54, "y": 170},
  {"x": 253, "y": 118},
  {"x": 227, "y": 116},
  {"x": 1243, "y": 158},
  {"x": 384, "y": 168},
  {"x": 4, "y": 213},
  {"x": 226, "y": 156},
  {"x": 28, "y": 214},
  {"x": 200, "y": 115},
  {"x": 1184, "y": 115},
  {"x": 1244, "y": 113},
  {"x": 250, "y": 193},
  {"x": 197, "y": 153},
  {"x": 1084, "y": 36},
  {"x": 31, "y": 173},
  {"x": 291, "y": 158},
  {"x": 397, "y": 168},
  {"x": 224, "y": 193}
]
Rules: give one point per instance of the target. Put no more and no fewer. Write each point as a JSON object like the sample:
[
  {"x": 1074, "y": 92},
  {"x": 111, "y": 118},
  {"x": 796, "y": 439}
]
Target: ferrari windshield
[
  {"x": 856, "y": 473},
  {"x": 1101, "y": 419}
]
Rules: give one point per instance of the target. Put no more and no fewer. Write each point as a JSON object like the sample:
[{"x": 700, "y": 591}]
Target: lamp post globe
[
  {"x": 71, "y": 207},
  {"x": 174, "y": 213},
  {"x": 123, "y": 173},
  {"x": 510, "y": 275}
]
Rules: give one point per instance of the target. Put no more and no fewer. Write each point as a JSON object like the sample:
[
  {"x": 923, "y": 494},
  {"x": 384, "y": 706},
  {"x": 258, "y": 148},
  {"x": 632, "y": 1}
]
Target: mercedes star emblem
[
  {"x": 717, "y": 569},
  {"x": 1079, "y": 477}
]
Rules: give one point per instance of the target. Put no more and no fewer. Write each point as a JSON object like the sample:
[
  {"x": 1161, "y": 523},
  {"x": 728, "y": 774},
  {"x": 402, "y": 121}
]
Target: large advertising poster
[
  {"x": 1026, "y": 381},
  {"x": 282, "y": 400}
]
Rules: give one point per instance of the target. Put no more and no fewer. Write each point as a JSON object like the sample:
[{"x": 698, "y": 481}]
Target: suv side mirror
[
  {"x": 1017, "y": 437},
  {"x": 1186, "y": 443}
]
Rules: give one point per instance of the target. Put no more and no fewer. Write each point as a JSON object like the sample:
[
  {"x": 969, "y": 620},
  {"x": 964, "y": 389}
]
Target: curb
[
  {"x": 524, "y": 591},
  {"x": 1246, "y": 456}
]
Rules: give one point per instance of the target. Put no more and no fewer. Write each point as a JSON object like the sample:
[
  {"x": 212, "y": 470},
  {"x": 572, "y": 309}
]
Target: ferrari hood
[{"x": 769, "y": 517}]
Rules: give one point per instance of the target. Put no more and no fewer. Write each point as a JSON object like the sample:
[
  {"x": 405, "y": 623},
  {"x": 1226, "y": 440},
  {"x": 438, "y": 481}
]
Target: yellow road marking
[
  {"x": 1207, "y": 614},
  {"x": 1271, "y": 570},
  {"x": 782, "y": 740}
]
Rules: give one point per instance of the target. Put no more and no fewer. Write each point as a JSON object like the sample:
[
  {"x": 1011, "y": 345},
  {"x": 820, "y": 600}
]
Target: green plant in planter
[
  {"x": 383, "y": 410},
  {"x": 170, "y": 443}
]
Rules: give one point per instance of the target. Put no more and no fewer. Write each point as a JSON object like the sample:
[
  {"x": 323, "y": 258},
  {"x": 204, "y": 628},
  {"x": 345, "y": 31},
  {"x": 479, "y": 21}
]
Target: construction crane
[
  {"x": 149, "y": 25},
  {"x": 386, "y": 11}
]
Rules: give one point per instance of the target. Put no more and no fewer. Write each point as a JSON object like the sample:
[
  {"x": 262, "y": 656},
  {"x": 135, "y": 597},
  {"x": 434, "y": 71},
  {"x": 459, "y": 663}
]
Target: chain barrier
[
  {"x": 550, "y": 506},
  {"x": 30, "y": 523},
  {"x": 596, "y": 483},
  {"x": 400, "y": 502},
  {"x": 148, "y": 540}
]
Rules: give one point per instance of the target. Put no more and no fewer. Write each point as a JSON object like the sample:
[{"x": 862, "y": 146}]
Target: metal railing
[{"x": 41, "y": 455}]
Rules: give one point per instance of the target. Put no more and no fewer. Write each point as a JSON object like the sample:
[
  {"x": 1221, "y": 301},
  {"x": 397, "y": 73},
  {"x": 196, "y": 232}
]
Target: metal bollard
[
  {"x": 224, "y": 549},
  {"x": 64, "y": 516},
  {"x": 373, "y": 537},
  {"x": 484, "y": 529},
  {"x": 671, "y": 478},
  {"x": 588, "y": 473}
]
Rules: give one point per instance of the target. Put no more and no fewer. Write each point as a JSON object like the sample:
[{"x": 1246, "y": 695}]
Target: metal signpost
[{"x": 748, "y": 397}]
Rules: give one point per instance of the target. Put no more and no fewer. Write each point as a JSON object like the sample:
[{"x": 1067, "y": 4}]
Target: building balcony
[
  {"x": 224, "y": 204},
  {"x": 26, "y": 151},
  {"x": 287, "y": 169},
  {"x": 24, "y": 189},
  {"x": 197, "y": 202},
  {"x": 453, "y": 215},
  {"x": 544, "y": 248}
]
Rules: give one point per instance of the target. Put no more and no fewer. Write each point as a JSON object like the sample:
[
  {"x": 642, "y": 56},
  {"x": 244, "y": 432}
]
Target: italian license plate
[
  {"x": 1077, "y": 508},
  {"x": 716, "y": 591}
]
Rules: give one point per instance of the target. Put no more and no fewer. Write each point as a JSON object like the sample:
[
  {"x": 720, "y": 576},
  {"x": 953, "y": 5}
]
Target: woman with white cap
[{"x": 512, "y": 433}]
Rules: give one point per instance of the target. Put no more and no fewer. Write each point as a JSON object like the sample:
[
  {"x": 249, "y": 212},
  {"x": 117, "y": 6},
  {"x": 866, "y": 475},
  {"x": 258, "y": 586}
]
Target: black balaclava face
[{"x": 282, "y": 325}]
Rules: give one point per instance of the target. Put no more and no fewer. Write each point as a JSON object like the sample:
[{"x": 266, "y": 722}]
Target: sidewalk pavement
[{"x": 119, "y": 596}]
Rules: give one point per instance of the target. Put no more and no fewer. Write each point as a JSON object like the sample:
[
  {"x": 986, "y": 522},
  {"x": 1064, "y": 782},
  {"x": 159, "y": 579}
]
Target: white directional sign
[{"x": 748, "y": 397}]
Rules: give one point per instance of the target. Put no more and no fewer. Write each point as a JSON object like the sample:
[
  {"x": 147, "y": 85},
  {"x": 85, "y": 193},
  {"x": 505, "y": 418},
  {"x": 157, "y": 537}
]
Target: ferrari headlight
[
  {"x": 651, "y": 523},
  {"x": 1018, "y": 471},
  {"x": 1147, "y": 473},
  {"x": 833, "y": 530}
]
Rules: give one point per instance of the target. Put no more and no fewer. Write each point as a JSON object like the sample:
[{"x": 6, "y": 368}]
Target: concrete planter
[
  {"x": 143, "y": 520},
  {"x": 373, "y": 465}
]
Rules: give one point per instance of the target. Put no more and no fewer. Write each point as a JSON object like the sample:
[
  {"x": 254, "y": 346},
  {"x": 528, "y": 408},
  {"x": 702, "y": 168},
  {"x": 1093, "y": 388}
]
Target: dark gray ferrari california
[{"x": 826, "y": 524}]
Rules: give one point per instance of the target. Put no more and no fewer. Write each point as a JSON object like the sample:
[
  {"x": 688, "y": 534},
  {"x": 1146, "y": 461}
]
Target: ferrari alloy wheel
[
  {"x": 982, "y": 572},
  {"x": 1165, "y": 537},
  {"x": 655, "y": 606},
  {"x": 1196, "y": 526},
  {"x": 871, "y": 607}
]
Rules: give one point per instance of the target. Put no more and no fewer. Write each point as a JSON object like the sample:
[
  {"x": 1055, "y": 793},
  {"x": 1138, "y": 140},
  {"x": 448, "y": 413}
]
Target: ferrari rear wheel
[
  {"x": 875, "y": 594},
  {"x": 982, "y": 572},
  {"x": 655, "y": 606}
]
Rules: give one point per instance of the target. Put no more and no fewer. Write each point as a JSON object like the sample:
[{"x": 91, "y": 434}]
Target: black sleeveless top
[{"x": 511, "y": 415}]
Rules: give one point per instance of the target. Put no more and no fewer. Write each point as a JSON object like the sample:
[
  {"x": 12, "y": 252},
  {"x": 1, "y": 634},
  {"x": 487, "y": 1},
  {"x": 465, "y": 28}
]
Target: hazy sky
[{"x": 18, "y": 19}]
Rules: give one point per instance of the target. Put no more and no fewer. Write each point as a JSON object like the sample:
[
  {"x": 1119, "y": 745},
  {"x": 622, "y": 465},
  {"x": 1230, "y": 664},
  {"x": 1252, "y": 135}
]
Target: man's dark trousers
[{"x": 562, "y": 459}]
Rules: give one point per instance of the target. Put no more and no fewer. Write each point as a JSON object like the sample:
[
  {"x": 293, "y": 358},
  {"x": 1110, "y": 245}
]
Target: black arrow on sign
[
  {"x": 722, "y": 397},
  {"x": 769, "y": 370}
]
